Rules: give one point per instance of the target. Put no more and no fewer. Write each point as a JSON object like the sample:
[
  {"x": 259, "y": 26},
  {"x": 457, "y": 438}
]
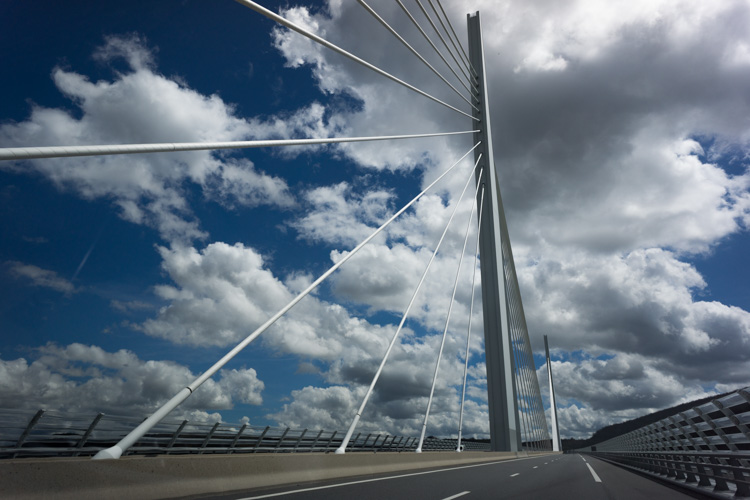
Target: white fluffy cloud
[
  {"x": 143, "y": 106},
  {"x": 79, "y": 378},
  {"x": 614, "y": 126},
  {"x": 222, "y": 293}
]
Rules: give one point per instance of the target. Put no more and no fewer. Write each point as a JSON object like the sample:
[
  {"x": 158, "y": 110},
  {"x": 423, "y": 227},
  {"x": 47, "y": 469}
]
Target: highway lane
[{"x": 552, "y": 476}]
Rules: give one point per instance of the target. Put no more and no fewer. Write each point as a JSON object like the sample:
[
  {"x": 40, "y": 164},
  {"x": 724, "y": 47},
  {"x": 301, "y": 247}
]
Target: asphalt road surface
[{"x": 552, "y": 476}]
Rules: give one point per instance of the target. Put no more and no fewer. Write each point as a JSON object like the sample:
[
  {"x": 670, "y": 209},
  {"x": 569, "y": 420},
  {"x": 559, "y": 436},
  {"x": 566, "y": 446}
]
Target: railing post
[
  {"x": 385, "y": 440},
  {"x": 740, "y": 480},
  {"x": 401, "y": 438},
  {"x": 175, "y": 436},
  {"x": 260, "y": 438},
  {"x": 281, "y": 440},
  {"x": 237, "y": 438},
  {"x": 208, "y": 438},
  {"x": 320, "y": 433},
  {"x": 88, "y": 432},
  {"x": 505, "y": 432},
  {"x": 721, "y": 483},
  {"x": 331, "y": 439},
  {"x": 354, "y": 441},
  {"x": 300, "y": 439},
  {"x": 364, "y": 443},
  {"x": 26, "y": 431}
]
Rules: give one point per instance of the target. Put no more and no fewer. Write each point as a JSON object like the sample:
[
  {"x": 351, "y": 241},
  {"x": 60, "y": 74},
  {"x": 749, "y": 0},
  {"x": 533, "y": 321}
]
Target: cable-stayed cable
[
  {"x": 437, "y": 31},
  {"x": 169, "y": 147},
  {"x": 447, "y": 318},
  {"x": 471, "y": 312},
  {"x": 440, "y": 20},
  {"x": 463, "y": 50},
  {"x": 342, "y": 449},
  {"x": 460, "y": 79},
  {"x": 312, "y": 36},
  {"x": 413, "y": 50},
  {"x": 129, "y": 440}
]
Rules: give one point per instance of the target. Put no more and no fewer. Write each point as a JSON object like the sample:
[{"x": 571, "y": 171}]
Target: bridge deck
[{"x": 177, "y": 476}]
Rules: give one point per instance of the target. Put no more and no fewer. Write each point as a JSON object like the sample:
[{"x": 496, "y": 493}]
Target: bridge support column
[
  {"x": 552, "y": 406},
  {"x": 505, "y": 433}
]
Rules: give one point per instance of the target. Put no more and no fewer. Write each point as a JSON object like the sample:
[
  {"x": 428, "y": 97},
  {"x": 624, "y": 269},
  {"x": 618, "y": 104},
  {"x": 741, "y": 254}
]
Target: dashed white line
[
  {"x": 514, "y": 475},
  {"x": 538, "y": 466},
  {"x": 349, "y": 483},
  {"x": 458, "y": 495},
  {"x": 596, "y": 477}
]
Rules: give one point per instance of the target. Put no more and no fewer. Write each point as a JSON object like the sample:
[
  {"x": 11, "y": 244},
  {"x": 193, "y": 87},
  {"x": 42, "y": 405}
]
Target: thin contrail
[{"x": 85, "y": 257}]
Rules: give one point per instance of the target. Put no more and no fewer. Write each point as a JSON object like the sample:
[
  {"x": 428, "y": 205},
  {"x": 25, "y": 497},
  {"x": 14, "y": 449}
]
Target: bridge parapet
[
  {"x": 56, "y": 434},
  {"x": 706, "y": 448}
]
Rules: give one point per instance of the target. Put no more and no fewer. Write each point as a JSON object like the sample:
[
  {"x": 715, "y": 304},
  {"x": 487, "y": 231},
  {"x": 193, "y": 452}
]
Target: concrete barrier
[{"x": 178, "y": 476}]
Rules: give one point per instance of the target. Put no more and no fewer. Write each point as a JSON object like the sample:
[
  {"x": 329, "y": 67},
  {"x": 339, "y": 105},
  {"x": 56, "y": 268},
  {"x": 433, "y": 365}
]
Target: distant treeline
[{"x": 615, "y": 430}]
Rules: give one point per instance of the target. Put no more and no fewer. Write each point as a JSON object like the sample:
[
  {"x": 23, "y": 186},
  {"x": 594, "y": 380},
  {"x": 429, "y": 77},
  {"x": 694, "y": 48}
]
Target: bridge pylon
[{"x": 505, "y": 431}]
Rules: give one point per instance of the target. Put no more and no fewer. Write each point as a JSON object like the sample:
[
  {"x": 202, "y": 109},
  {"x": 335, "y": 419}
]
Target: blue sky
[{"x": 625, "y": 179}]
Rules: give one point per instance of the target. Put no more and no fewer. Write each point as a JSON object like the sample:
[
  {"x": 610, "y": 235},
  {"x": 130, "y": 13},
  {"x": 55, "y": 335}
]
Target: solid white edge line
[
  {"x": 596, "y": 477},
  {"x": 316, "y": 488},
  {"x": 458, "y": 495}
]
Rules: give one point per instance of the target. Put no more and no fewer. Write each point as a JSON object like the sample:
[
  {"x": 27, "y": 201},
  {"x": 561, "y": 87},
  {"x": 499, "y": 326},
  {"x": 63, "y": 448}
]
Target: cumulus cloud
[
  {"x": 615, "y": 125},
  {"x": 614, "y": 152},
  {"x": 143, "y": 106},
  {"x": 81, "y": 378},
  {"x": 336, "y": 215},
  {"x": 222, "y": 293}
]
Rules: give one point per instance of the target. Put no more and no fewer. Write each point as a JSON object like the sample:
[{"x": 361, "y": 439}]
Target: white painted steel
[
  {"x": 468, "y": 333},
  {"x": 169, "y": 147},
  {"x": 473, "y": 89},
  {"x": 129, "y": 440},
  {"x": 447, "y": 320},
  {"x": 463, "y": 50},
  {"x": 342, "y": 449},
  {"x": 440, "y": 35},
  {"x": 552, "y": 405},
  {"x": 302, "y": 31},
  {"x": 440, "y": 19},
  {"x": 505, "y": 432},
  {"x": 412, "y": 49}
]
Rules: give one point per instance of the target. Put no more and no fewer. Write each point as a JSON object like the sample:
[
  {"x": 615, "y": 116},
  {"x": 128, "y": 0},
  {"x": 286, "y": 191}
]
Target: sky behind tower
[{"x": 621, "y": 139}]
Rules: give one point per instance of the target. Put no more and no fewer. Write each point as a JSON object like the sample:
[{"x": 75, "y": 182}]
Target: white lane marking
[
  {"x": 316, "y": 488},
  {"x": 582, "y": 458},
  {"x": 538, "y": 466},
  {"x": 596, "y": 478},
  {"x": 458, "y": 495},
  {"x": 514, "y": 475}
]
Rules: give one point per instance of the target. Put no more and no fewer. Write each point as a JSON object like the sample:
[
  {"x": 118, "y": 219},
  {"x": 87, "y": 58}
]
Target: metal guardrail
[
  {"x": 54, "y": 434},
  {"x": 705, "y": 448},
  {"x": 724, "y": 474}
]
